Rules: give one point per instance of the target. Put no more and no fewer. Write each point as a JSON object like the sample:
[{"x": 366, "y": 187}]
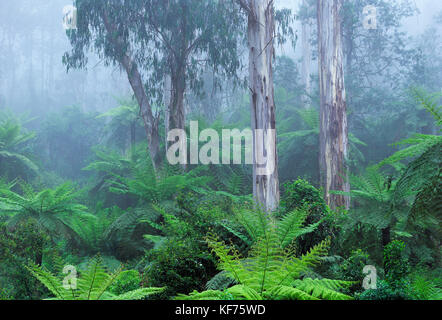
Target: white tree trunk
[
  {"x": 333, "y": 118},
  {"x": 261, "y": 28},
  {"x": 306, "y": 58}
]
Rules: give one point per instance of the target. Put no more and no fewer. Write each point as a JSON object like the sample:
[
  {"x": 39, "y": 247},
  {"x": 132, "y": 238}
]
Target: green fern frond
[
  {"x": 93, "y": 284},
  {"x": 324, "y": 289}
]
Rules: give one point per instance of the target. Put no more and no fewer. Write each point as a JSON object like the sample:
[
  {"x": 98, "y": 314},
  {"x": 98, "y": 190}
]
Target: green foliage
[
  {"x": 160, "y": 47},
  {"x": 430, "y": 103},
  {"x": 395, "y": 264},
  {"x": 256, "y": 225},
  {"x": 169, "y": 225},
  {"x": 424, "y": 288},
  {"x": 220, "y": 282},
  {"x": 375, "y": 190},
  {"x": 351, "y": 268},
  {"x": 124, "y": 237},
  {"x": 93, "y": 232},
  {"x": 24, "y": 243},
  {"x": 180, "y": 259},
  {"x": 271, "y": 270},
  {"x": 419, "y": 143},
  {"x": 182, "y": 266},
  {"x": 124, "y": 126},
  {"x": 385, "y": 292},
  {"x": 53, "y": 209},
  {"x": 299, "y": 193},
  {"x": 13, "y": 140},
  {"x": 144, "y": 184},
  {"x": 126, "y": 281},
  {"x": 94, "y": 283}
]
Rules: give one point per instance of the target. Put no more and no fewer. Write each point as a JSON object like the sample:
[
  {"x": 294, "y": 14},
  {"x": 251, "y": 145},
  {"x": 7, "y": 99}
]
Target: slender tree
[
  {"x": 333, "y": 136},
  {"x": 306, "y": 31}
]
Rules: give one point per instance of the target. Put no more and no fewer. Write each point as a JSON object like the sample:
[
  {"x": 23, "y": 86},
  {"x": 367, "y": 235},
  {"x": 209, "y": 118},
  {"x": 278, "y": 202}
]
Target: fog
[
  {"x": 33, "y": 41},
  {"x": 121, "y": 150}
]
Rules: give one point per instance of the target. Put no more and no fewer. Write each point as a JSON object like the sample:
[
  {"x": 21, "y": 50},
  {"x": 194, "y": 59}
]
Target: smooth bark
[
  {"x": 151, "y": 123},
  {"x": 333, "y": 137},
  {"x": 261, "y": 30},
  {"x": 306, "y": 58}
]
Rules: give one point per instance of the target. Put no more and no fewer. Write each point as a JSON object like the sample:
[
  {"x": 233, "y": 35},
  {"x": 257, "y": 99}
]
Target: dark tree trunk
[{"x": 386, "y": 236}]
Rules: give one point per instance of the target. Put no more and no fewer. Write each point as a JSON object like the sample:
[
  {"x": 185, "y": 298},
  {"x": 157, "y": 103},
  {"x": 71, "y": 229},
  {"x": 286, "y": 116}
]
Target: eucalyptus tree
[
  {"x": 381, "y": 61},
  {"x": 190, "y": 37},
  {"x": 153, "y": 39},
  {"x": 262, "y": 32},
  {"x": 373, "y": 40},
  {"x": 333, "y": 137},
  {"x": 306, "y": 47}
]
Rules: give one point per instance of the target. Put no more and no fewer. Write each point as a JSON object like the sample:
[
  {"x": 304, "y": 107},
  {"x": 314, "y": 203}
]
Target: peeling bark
[
  {"x": 333, "y": 137},
  {"x": 261, "y": 28}
]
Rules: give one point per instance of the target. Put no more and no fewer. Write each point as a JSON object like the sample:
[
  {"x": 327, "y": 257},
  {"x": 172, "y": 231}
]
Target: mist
[{"x": 220, "y": 149}]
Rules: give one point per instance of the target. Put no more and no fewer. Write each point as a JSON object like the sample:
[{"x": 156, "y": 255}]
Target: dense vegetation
[{"x": 81, "y": 197}]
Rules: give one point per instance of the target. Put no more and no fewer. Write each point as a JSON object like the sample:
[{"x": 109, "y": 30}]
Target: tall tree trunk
[
  {"x": 151, "y": 123},
  {"x": 333, "y": 137},
  {"x": 166, "y": 100},
  {"x": 177, "y": 112},
  {"x": 261, "y": 28},
  {"x": 306, "y": 58},
  {"x": 176, "y": 106}
]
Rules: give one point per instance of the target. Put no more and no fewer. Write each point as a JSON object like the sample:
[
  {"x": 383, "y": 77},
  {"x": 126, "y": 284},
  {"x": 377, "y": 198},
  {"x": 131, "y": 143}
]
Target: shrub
[
  {"x": 18, "y": 246},
  {"x": 385, "y": 292},
  {"x": 396, "y": 266},
  {"x": 301, "y": 194},
  {"x": 126, "y": 281},
  {"x": 180, "y": 267}
]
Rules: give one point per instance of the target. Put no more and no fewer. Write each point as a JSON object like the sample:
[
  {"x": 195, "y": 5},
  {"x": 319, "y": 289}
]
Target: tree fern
[
  {"x": 93, "y": 284},
  {"x": 425, "y": 289},
  {"x": 271, "y": 267},
  {"x": 12, "y": 138},
  {"x": 257, "y": 225},
  {"x": 53, "y": 209}
]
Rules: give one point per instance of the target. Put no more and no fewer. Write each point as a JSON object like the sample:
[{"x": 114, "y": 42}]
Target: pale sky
[{"x": 414, "y": 25}]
